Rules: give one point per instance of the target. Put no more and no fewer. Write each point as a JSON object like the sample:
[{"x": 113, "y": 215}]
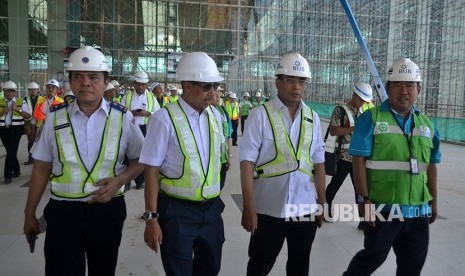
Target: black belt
[{"x": 202, "y": 203}]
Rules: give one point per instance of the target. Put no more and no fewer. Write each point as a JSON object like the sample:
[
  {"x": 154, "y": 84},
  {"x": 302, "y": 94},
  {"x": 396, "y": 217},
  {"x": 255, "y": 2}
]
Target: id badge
[{"x": 414, "y": 166}]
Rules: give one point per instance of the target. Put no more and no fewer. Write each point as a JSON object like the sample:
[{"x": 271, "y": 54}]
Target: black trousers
[
  {"x": 243, "y": 118},
  {"x": 11, "y": 136},
  {"x": 267, "y": 241},
  {"x": 77, "y": 231},
  {"x": 408, "y": 238},
  {"x": 224, "y": 168},
  {"x": 235, "y": 124},
  {"x": 343, "y": 169}
]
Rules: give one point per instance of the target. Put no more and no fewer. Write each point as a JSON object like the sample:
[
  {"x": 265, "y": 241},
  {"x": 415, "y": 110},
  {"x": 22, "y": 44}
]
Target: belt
[{"x": 202, "y": 203}]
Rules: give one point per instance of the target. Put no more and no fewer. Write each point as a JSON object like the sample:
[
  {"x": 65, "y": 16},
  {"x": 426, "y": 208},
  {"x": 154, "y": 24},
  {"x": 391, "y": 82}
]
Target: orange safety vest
[{"x": 39, "y": 113}]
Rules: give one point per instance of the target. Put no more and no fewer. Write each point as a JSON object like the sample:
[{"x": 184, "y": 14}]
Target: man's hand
[
  {"x": 434, "y": 212},
  {"x": 108, "y": 187},
  {"x": 249, "y": 220},
  {"x": 153, "y": 235},
  {"x": 366, "y": 211}
]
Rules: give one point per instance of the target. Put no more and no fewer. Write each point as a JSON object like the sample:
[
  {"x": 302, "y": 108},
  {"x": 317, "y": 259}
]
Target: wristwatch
[
  {"x": 361, "y": 199},
  {"x": 148, "y": 215}
]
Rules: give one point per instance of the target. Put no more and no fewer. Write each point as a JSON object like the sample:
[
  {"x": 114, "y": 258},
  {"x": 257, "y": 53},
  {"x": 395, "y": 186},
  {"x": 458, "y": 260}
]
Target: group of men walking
[{"x": 83, "y": 146}]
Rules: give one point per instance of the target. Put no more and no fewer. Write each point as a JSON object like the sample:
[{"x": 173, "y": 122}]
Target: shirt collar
[{"x": 74, "y": 107}]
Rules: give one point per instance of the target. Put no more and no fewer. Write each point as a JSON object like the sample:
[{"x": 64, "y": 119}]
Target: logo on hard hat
[
  {"x": 404, "y": 70},
  {"x": 85, "y": 60},
  {"x": 297, "y": 66}
]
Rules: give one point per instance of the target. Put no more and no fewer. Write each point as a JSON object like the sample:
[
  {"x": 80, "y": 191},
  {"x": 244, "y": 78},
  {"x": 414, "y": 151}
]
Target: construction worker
[
  {"x": 394, "y": 151},
  {"x": 232, "y": 107},
  {"x": 258, "y": 99},
  {"x": 282, "y": 166},
  {"x": 81, "y": 150},
  {"x": 142, "y": 104},
  {"x": 119, "y": 91},
  {"x": 173, "y": 93},
  {"x": 342, "y": 124},
  {"x": 109, "y": 93},
  {"x": 157, "y": 90},
  {"x": 182, "y": 170},
  {"x": 44, "y": 103},
  {"x": 244, "y": 106},
  {"x": 12, "y": 114},
  {"x": 31, "y": 101},
  {"x": 68, "y": 96}
]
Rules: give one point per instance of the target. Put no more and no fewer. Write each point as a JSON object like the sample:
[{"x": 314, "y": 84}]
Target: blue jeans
[{"x": 409, "y": 240}]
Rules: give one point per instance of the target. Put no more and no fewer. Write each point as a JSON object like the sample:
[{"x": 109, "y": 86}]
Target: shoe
[
  {"x": 235, "y": 145},
  {"x": 138, "y": 187},
  {"x": 16, "y": 174},
  {"x": 127, "y": 186},
  {"x": 29, "y": 162},
  {"x": 7, "y": 180}
]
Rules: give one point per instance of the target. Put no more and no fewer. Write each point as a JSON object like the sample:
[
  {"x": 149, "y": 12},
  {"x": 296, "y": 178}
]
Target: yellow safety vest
[
  {"x": 16, "y": 118},
  {"x": 233, "y": 110},
  {"x": 194, "y": 184},
  {"x": 150, "y": 101},
  {"x": 76, "y": 181},
  {"x": 287, "y": 159}
]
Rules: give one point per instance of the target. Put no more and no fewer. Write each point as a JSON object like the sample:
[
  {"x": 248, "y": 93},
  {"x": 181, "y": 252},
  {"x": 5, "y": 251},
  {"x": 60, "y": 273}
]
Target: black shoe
[
  {"x": 235, "y": 145},
  {"x": 16, "y": 174},
  {"x": 29, "y": 162},
  {"x": 141, "y": 186},
  {"x": 127, "y": 186},
  {"x": 7, "y": 180}
]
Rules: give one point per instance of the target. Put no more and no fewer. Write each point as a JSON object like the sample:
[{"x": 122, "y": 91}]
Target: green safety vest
[
  {"x": 287, "y": 159},
  {"x": 245, "y": 107},
  {"x": 194, "y": 184},
  {"x": 150, "y": 102},
  {"x": 224, "y": 146},
  {"x": 232, "y": 109},
  {"x": 173, "y": 99},
  {"x": 388, "y": 169},
  {"x": 75, "y": 181},
  {"x": 16, "y": 118}
]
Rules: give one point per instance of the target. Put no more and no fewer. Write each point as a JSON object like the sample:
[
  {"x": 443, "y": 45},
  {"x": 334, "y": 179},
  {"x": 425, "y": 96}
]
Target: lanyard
[{"x": 409, "y": 141}]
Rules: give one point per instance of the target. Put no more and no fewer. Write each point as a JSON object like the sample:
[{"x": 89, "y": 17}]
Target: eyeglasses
[
  {"x": 293, "y": 81},
  {"x": 207, "y": 86}
]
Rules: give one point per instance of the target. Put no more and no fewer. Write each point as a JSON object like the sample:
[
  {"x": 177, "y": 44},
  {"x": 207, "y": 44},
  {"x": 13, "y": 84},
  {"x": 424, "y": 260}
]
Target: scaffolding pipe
[{"x": 376, "y": 79}]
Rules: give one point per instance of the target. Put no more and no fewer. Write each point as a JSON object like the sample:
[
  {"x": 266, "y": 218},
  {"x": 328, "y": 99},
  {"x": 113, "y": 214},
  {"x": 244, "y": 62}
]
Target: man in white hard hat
[
  {"x": 109, "y": 93},
  {"x": 173, "y": 93},
  {"x": 118, "y": 90},
  {"x": 142, "y": 104},
  {"x": 183, "y": 174},
  {"x": 68, "y": 96},
  {"x": 232, "y": 107},
  {"x": 44, "y": 103},
  {"x": 81, "y": 151},
  {"x": 342, "y": 124},
  {"x": 13, "y": 111},
  {"x": 394, "y": 151},
  {"x": 245, "y": 105},
  {"x": 282, "y": 173},
  {"x": 157, "y": 91},
  {"x": 31, "y": 101},
  {"x": 258, "y": 99}
]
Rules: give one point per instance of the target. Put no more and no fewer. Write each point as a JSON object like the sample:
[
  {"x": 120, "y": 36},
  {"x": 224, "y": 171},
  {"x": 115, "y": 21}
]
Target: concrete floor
[{"x": 334, "y": 245}]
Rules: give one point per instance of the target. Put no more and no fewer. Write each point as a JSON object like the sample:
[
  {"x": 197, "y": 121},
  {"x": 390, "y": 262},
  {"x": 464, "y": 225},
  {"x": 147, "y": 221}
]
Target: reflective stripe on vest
[
  {"x": 76, "y": 181},
  {"x": 150, "y": 100},
  {"x": 286, "y": 159},
  {"x": 194, "y": 184},
  {"x": 224, "y": 146},
  {"x": 393, "y": 165},
  {"x": 16, "y": 118},
  {"x": 233, "y": 112}
]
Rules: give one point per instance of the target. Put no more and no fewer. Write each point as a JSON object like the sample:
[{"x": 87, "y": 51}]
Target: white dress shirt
[
  {"x": 161, "y": 147},
  {"x": 88, "y": 132},
  {"x": 140, "y": 102},
  {"x": 272, "y": 194},
  {"x": 24, "y": 108}
]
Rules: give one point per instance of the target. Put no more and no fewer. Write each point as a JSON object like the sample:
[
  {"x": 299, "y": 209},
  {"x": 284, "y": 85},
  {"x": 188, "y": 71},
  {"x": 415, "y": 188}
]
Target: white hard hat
[
  {"x": 9, "y": 85},
  {"x": 109, "y": 87},
  {"x": 197, "y": 66},
  {"x": 153, "y": 85},
  {"x": 87, "y": 58},
  {"x": 141, "y": 77},
  {"x": 246, "y": 94},
  {"x": 363, "y": 90},
  {"x": 68, "y": 93},
  {"x": 114, "y": 82},
  {"x": 232, "y": 95},
  {"x": 33, "y": 85},
  {"x": 172, "y": 87},
  {"x": 404, "y": 70},
  {"x": 53, "y": 82},
  {"x": 293, "y": 65},
  {"x": 258, "y": 94}
]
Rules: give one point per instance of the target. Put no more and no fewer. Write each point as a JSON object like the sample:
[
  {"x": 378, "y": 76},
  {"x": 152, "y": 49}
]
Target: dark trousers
[
  {"x": 409, "y": 239},
  {"x": 193, "y": 236},
  {"x": 30, "y": 131},
  {"x": 140, "y": 178},
  {"x": 343, "y": 169},
  {"x": 77, "y": 231},
  {"x": 224, "y": 168},
  {"x": 267, "y": 241},
  {"x": 243, "y": 118},
  {"x": 11, "y": 136},
  {"x": 235, "y": 124}
]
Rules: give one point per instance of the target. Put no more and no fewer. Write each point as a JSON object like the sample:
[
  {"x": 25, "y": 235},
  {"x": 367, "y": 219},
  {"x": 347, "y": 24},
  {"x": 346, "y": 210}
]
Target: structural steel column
[
  {"x": 56, "y": 37},
  {"x": 18, "y": 41}
]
